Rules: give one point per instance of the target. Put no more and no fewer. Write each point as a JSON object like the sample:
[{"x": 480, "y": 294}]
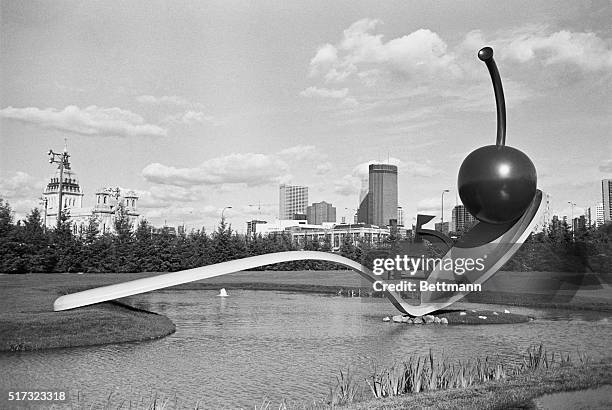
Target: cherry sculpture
[{"x": 496, "y": 182}]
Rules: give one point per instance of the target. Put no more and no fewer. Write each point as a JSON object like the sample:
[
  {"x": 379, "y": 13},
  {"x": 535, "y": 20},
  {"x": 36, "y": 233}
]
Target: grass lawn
[{"x": 27, "y": 320}]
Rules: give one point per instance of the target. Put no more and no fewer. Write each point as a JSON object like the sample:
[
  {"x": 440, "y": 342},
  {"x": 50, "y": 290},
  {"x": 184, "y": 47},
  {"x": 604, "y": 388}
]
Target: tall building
[
  {"x": 252, "y": 227},
  {"x": 595, "y": 215},
  {"x": 461, "y": 219},
  {"x": 379, "y": 205},
  {"x": 293, "y": 199},
  {"x": 320, "y": 212},
  {"x": 400, "y": 216},
  {"x": 606, "y": 194},
  {"x": 579, "y": 223},
  {"x": 104, "y": 210}
]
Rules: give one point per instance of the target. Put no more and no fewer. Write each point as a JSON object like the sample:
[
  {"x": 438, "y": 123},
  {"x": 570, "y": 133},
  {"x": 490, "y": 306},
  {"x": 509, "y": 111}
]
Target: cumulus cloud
[
  {"x": 164, "y": 99},
  {"x": 325, "y": 57},
  {"x": 348, "y": 185},
  {"x": 184, "y": 213},
  {"x": 188, "y": 117},
  {"x": 324, "y": 92},
  {"x": 331, "y": 93},
  {"x": 249, "y": 169},
  {"x": 299, "y": 152},
  {"x": 22, "y": 191},
  {"x": 20, "y": 185},
  {"x": 363, "y": 52},
  {"x": 90, "y": 121},
  {"x": 583, "y": 49}
]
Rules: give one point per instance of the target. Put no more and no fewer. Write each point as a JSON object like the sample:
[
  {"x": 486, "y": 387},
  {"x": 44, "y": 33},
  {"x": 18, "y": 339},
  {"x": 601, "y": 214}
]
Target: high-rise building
[
  {"x": 293, "y": 199},
  {"x": 579, "y": 223},
  {"x": 595, "y": 216},
  {"x": 320, "y": 212},
  {"x": 606, "y": 194},
  {"x": 400, "y": 216},
  {"x": 461, "y": 219},
  {"x": 379, "y": 205}
]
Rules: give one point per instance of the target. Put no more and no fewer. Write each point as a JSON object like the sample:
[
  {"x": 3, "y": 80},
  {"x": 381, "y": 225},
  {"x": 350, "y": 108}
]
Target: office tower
[
  {"x": 400, "y": 216},
  {"x": 379, "y": 206},
  {"x": 461, "y": 219},
  {"x": 606, "y": 194},
  {"x": 320, "y": 212},
  {"x": 595, "y": 216},
  {"x": 252, "y": 227},
  {"x": 293, "y": 200}
]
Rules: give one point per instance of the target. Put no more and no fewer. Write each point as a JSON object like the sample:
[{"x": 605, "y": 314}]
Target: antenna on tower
[{"x": 65, "y": 144}]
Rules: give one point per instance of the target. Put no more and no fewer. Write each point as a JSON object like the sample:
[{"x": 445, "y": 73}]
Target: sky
[{"x": 198, "y": 106}]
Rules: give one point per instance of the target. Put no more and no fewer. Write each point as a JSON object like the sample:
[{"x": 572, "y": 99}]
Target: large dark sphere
[{"x": 497, "y": 183}]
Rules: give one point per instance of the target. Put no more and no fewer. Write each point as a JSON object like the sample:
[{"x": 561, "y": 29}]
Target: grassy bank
[
  {"x": 511, "y": 393},
  {"x": 489, "y": 382},
  {"x": 27, "y": 320}
]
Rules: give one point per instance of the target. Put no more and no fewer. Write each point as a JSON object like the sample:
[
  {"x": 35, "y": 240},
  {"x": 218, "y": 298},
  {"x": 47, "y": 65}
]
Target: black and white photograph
[{"x": 274, "y": 205}]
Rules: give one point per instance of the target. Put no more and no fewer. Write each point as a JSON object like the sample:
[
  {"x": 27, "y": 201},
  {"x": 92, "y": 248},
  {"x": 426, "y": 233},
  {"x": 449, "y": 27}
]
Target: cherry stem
[{"x": 486, "y": 55}]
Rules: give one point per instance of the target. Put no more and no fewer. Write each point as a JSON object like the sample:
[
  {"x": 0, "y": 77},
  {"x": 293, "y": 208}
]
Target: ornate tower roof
[{"x": 70, "y": 186}]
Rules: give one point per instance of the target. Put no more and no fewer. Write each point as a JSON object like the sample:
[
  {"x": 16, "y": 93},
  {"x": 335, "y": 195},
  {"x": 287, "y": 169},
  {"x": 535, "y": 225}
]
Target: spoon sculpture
[{"x": 497, "y": 184}]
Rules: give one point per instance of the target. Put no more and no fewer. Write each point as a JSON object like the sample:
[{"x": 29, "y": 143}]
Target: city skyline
[{"x": 201, "y": 107}]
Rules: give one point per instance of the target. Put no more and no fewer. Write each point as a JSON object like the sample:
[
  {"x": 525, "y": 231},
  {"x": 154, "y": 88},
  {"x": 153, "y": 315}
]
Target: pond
[{"x": 236, "y": 351}]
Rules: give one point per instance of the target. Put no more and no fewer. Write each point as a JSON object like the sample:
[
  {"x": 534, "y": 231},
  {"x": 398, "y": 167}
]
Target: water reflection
[{"x": 230, "y": 352}]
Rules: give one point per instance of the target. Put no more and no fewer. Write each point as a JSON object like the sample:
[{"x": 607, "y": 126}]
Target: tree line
[{"x": 26, "y": 246}]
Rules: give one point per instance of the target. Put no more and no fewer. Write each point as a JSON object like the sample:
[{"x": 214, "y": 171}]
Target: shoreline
[
  {"x": 29, "y": 323},
  {"x": 514, "y": 392}
]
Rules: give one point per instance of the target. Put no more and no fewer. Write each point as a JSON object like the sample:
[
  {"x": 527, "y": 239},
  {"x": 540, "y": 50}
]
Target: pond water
[{"x": 234, "y": 352}]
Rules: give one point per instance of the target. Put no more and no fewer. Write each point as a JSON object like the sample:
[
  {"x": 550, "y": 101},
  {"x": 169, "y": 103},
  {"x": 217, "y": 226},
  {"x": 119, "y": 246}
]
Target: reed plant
[{"x": 428, "y": 373}]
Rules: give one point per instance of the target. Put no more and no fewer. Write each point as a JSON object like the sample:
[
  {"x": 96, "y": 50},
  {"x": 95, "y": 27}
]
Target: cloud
[
  {"x": 183, "y": 213},
  {"x": 367, "y": 55},
  {"x": 20, "y": 185},
  {"x": 324, "y": 92},
  {"x": 300, "y": 152},
  {"x": 249, "y": 169},
  {"x": 188, "y": 117},
  {"x": 606, "y": 166},
  {"x": 164, "y": 99},
  {"x": 583, "y": 49},
  {"x": 338, "y": 94},
  {"x": 348, "y": 185},
  {"x": 22, "y": 191},
  {"x": 326, "y": 55},
  {"x": 323, "y": 168},
  {"x": 90, "y": 121}
]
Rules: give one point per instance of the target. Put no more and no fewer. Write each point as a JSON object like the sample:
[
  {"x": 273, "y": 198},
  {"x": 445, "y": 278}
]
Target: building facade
[
  {"x": 104, "y": 210},
  {"x": 252, "y": 227},
  {"x": 606, "y": 195},
  {"x": 400, "y": 216},
  {"x": 379, "y": 206},
  {"x": 595, "y": 215},
  {"x": 293, "y": 199},
  {"x": 320, "y": 212},
  {"x": 461, "y": 219}
]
